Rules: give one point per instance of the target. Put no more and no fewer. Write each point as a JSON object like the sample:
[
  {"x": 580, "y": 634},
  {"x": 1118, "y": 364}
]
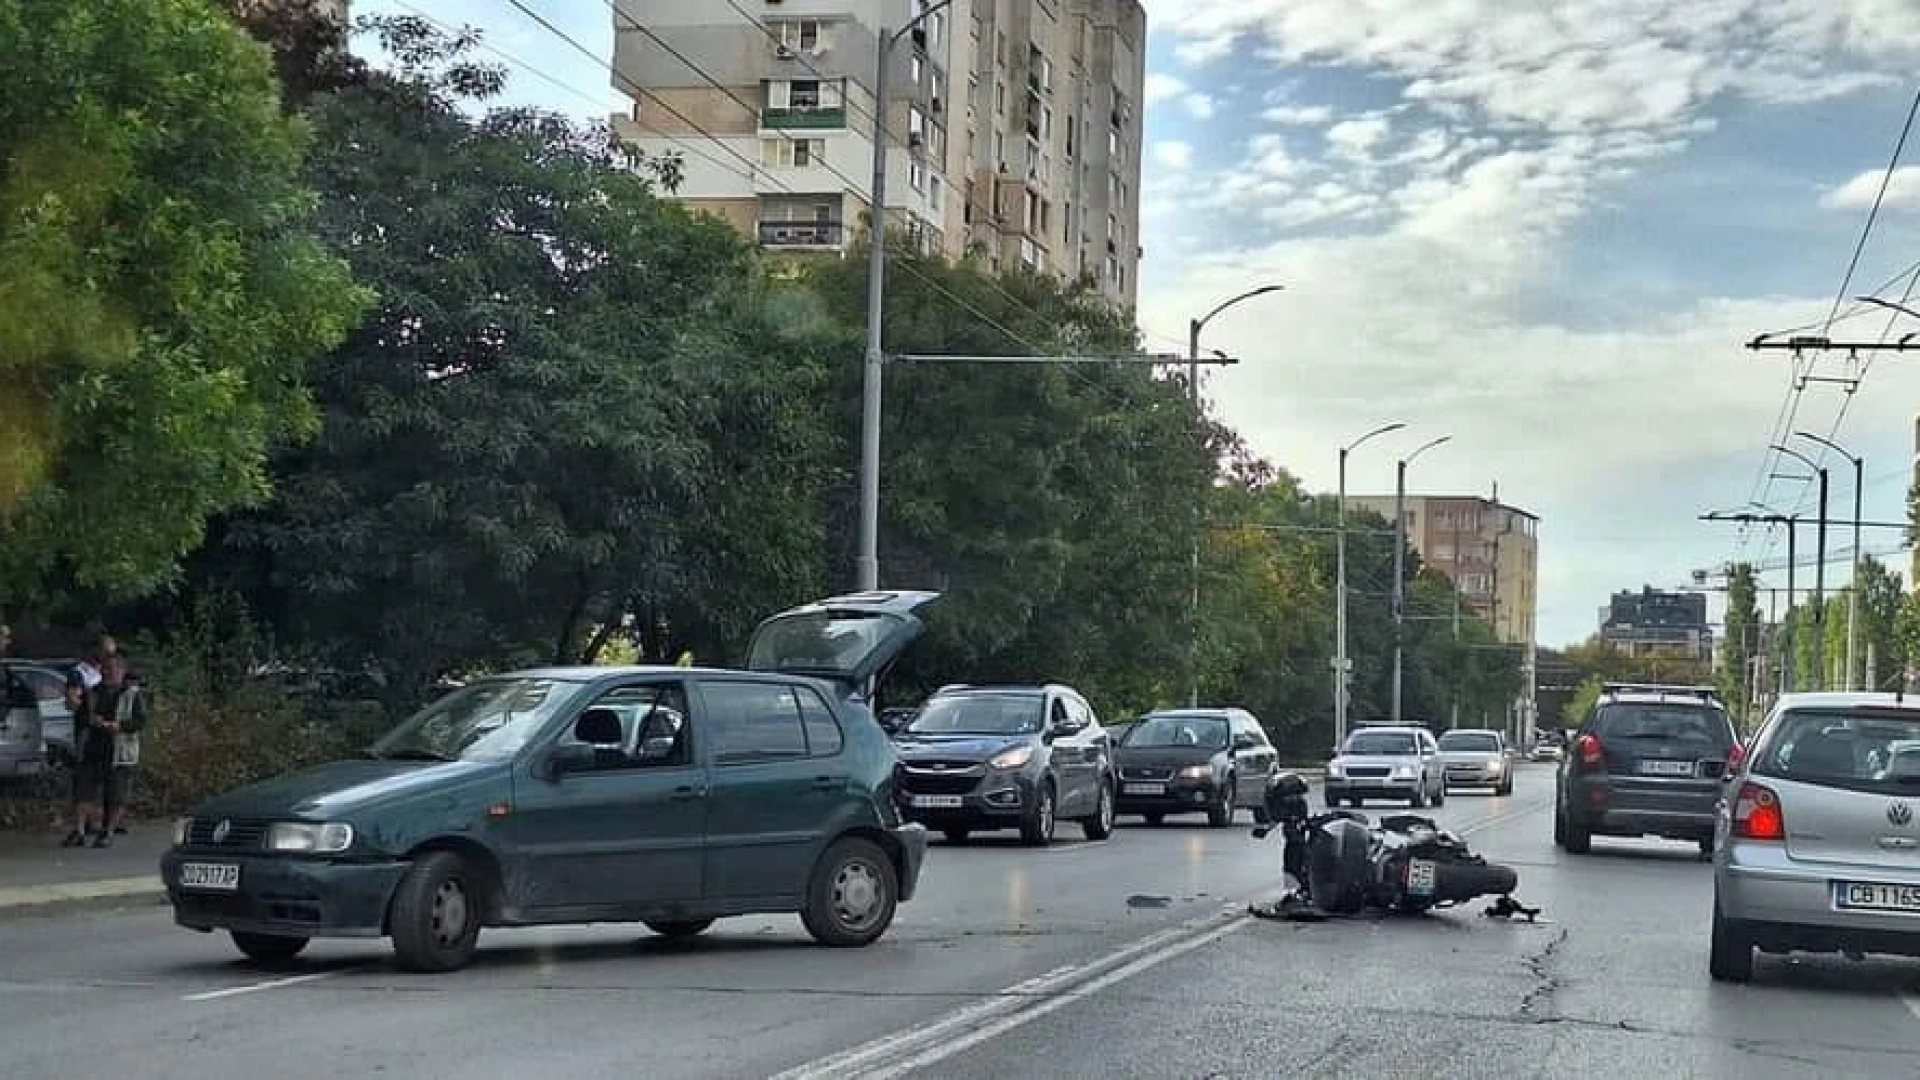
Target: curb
[{"x": 73, "y": 896}]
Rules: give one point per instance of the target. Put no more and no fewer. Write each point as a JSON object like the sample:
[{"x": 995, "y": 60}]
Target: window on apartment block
[
  {"x": 793, "y": 153},
  {"x": 803, "y": 35}
]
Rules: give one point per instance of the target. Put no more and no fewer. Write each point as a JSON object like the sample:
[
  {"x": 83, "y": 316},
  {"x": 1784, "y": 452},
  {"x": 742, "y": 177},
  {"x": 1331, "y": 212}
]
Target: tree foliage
[
  {"x": 162, "y": 291},
  {"x": 539, "y": 429}
]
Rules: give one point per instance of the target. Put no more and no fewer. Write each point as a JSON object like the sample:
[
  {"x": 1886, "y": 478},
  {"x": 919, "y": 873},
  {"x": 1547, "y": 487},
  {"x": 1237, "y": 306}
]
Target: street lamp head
[
  {"x": 1408, "y": 460},
  {"x": 1829, "y": 444},
  {"x": 1384, "y": 429}
]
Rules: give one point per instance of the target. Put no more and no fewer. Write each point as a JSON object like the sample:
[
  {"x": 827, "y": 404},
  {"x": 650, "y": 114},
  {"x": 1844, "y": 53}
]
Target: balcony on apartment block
[{"x": 804, "y": 105}]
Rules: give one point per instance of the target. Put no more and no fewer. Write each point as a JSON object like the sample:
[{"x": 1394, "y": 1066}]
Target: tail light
[
  {"x": 1589, "y": 749},
  {"x": 1757, "y": 815}
]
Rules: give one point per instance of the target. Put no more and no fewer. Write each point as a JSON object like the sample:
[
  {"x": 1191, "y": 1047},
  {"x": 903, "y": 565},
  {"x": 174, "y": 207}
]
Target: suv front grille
[
  {"x": 954, "y": 778},
  {"x": 1145, "y": 772},
  {"x": 1368, "y": 772}
]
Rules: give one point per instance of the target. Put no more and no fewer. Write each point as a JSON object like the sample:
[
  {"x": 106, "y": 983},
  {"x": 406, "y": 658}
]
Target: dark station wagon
[{"x": 662, "y": 795}]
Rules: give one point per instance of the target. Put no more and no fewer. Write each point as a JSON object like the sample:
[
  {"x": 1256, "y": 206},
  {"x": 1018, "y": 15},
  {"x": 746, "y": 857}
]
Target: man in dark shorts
[{"x": 93, "y": 760}]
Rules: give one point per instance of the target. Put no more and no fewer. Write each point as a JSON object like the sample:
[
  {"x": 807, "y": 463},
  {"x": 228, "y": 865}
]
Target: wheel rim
[
  {"x": 1046, "y": 812},
  {"x": 858, "y": 895},
  {"x": 1106, "y": 807},
  {"x": 449, "y": 913}
]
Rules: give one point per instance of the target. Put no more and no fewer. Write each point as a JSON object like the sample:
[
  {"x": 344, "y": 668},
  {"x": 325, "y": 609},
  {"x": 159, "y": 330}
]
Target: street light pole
[
  {"x": 867, "y": 561},
  {"x": 1193, "y": 396},
  {"x": 1399, "y": 567},
  {"x": 1341, "y": 665},
  {"x": 1819, "y": 571},
  {"x": 1853, "y": 595}
]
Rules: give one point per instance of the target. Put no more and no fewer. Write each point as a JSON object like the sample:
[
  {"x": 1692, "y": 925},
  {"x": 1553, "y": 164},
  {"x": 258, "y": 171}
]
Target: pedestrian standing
[
  {"x": 92, "y": 756},
  {"x": 119, "y": 699}
]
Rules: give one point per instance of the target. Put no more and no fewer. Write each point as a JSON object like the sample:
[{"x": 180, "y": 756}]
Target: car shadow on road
[{"x": 1873, "y": 979}]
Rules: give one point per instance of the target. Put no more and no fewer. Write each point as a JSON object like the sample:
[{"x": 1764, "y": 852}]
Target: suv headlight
[
  {"x": 1196, "y": 772},
  {"x": 1404, "y": 772},
  {"x": 1336, "y": 770},
  {"x": 1011, "y": 759},
  {"x": 310, "y": 838},
  {"x": 181, "y": 827}
]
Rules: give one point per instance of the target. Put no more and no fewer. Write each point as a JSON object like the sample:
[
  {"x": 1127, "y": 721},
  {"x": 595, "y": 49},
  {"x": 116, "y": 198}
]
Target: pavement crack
[{"x": 1540, "y": 964}]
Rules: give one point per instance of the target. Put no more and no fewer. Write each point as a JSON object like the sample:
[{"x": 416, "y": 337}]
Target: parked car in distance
[
  {"x": 23, "y": 749},
  {"x": 1193, "y": 761},
  {"x": 1381, "y": 761},
  {"x": 663, "y": 795},
  {"x": 1648, "y": 761},
  {"x": 984, "y": 758},
  {"x": 52, "y": 741},
  {"x": 1546, "y": 747},
  {"x": 1818, "y": 845},
  {"x": 1475, "y": 758}
]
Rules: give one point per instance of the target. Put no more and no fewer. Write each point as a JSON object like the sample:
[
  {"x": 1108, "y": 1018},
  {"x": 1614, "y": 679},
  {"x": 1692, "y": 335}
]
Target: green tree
[
  {"x": 1051, "y": 502},
  {"x": 163, "y": 292},
  {"x": 1741, "y": 640},
  {"x": 573, "y": 406}
]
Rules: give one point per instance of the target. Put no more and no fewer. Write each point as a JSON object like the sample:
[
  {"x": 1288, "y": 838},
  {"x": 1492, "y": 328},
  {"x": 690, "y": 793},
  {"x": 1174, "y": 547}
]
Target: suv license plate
[
  {"x": 1143, "y": 789},
  {"x": 220, "y": 877},
  {"x": 938, "y": 802},
  {"x": 1420, "y": 877},
  {"x": 1868, "y": 896},
  {"x": 1667, "y": 768}
]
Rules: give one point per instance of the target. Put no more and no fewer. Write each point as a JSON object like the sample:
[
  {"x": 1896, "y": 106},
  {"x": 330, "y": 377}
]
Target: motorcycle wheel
[{"x": 1460, "y": 882}]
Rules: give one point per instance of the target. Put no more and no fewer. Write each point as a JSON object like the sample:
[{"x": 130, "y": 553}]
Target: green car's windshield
[{"x": 488, "y": 720}]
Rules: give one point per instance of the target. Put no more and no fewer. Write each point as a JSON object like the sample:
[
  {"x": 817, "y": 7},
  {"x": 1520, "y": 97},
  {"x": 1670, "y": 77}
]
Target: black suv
[
  {"x": 1648, "y": 761},
  {"x": 977, "y": 758}
]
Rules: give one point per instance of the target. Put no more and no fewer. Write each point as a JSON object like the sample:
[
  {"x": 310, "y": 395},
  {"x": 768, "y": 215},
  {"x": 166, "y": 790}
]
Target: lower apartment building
[{"x": 1014, "y": 126}]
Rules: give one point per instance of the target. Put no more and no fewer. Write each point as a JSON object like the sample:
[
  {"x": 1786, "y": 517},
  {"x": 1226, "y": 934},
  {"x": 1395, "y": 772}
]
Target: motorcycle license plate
[{"x": 1420, "y": 877}]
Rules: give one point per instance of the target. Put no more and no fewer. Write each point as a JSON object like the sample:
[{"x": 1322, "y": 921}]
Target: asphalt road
[{"x": 1129, "y": 958}]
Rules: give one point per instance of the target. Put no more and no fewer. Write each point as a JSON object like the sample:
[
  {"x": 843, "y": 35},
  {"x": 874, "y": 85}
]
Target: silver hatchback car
[{"x": 1818, "y": 844}]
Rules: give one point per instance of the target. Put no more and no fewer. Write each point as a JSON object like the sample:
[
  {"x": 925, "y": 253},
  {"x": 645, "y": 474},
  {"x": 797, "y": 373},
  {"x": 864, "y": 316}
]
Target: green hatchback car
[{"x": 662, "y": 795}]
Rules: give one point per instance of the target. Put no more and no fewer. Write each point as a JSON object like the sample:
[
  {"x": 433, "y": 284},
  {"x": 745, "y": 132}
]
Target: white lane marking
[
  {"x": 1083, "y": 845},
  {"x": 1912, "y": 1003},
  {"x": 994, "y": 1029},
  {"x": 1014, "y": 998},
  {"x": 270, "y": 984}
]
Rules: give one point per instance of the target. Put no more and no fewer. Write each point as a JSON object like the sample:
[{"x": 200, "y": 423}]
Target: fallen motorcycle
[{"x": 1343, "y": 863}]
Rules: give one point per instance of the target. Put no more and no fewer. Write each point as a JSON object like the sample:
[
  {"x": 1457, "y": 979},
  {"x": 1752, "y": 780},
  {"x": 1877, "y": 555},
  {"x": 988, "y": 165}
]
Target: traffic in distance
[{"x": 675, "y": 797}]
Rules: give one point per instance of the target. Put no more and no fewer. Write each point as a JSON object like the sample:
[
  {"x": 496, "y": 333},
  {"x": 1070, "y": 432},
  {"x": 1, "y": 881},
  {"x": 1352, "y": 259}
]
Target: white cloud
[
  {"x": 1173, "y": 155},
  {"x": 1298, "y": 114},
  {"x": 1356, "y": 138},
  {"x": 1200, "y": 105},
  {"x": 1161, "y": 87},
  {"x": 1903, "y": 190}
]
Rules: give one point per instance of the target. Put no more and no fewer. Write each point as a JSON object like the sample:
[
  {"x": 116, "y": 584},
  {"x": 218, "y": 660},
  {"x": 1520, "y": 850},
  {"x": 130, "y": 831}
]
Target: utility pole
[
  {"x": 1342, "y": 666},
  {"x": 1853, "y": 595},
  {"x": 1819, "y": 570},
  {"x": 1400, "y": 570},
  {"x": 867, "y": 561},
  {"x": 1199, "y": 507}
]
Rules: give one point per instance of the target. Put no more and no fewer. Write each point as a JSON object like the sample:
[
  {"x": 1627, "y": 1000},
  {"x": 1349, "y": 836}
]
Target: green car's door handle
[
  {"x": 689, "y": 793},
  {"x": 829, "y": 783}
]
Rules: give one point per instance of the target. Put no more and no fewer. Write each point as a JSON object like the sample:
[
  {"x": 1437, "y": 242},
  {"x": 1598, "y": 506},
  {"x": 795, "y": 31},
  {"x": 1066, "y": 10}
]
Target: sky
[{"x": 1546, "y": 229}]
